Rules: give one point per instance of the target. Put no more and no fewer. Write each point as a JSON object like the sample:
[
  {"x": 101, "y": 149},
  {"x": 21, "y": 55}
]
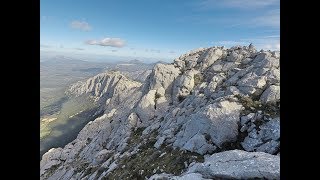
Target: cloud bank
[
  {"x": 112, "y": 42},
  {"x": 81, "y": 25}
]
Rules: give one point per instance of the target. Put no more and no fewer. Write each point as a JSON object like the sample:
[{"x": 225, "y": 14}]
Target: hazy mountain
[{"x": 135, "y": 61}]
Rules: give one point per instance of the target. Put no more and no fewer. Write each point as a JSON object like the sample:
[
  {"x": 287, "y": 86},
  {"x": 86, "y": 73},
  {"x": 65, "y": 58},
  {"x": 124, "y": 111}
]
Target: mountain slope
[{"x": 207, "y": 102}]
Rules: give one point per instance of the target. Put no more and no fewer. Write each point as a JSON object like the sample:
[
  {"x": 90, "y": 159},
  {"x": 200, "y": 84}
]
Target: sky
[{"x": 154, "y": 29}]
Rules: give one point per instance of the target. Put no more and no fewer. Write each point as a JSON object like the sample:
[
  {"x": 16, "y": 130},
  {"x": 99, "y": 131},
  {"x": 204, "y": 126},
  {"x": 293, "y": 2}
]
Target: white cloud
[
  {"x": 113, "y": 42},
  {"x": 82, "y": 25},
  {"x": 172, "y": 52},
  {"x": 241, "y": 4},
  {"x": 80, "y": 49}
]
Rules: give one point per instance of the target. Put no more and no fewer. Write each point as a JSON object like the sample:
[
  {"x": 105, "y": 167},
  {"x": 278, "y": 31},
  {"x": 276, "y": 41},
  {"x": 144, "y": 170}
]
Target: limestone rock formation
[
  {"x": 235, "y": 164},
  {"x": 185, "y": 121}
]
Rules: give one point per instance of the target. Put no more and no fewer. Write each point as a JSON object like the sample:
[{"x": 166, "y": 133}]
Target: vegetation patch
[
  {"x": 198, "y": 79},
  {"x": 44, "y": 130},
  {"x": 135, "y": 136},
  {"x": 149, "y": 160},
  {"x": 51, "y": 170},
  {"x": 90, "y": 170},
  {"x": 251, "y": 105},
  {"x": 81, "y": 166}
]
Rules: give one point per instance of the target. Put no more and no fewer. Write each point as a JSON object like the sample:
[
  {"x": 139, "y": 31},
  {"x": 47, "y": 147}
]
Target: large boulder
[
  {"x": 146, "y": 107},
  {"x": 163, "y": 75},
  {"x": 238, "y": 164},
  {"x": 218, "y": 122},
  {"x": 215, "y": 81},
  {"x": 183, "y": 85},
  {"x": 209, "y": 57},
  {"x": 190, "y": 176},
  {"x": 199, "y": 144},
  {"x": 251, "y": 83}
]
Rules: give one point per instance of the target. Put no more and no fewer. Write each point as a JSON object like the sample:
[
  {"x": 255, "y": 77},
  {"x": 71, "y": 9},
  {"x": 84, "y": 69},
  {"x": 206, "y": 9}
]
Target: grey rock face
[
  {"x": 262, "y": 56},
  {"x": 105, "y": 84},
  {"x": 163, "y": 75},
  {"x": 268, "y": 62},
  {"x": 245, "y": 119},
  {"x": 50, "y": 159},
  {"x": 214, "y": 82},
  {"x": 198, "y": 144},
  {"x": 219, "y": 121},
  {"x": 250, "y": 144},
  {"x": 209, "y": 57},
  {"x": 266, "y": 139},
  {"x": 250, "y": 83},
  {"x": 190, "y": 176},
  {"x": 134, "y": 120},
  {"x": 141, "y": 118},
  {"x": 232, "y": 90},
  {"x": 146, "y": 107},
  {"x": 102, "y": 156},
  {"x": 270, "y": 147},
  {"x": 183, "y": 85},
  {"x": 234, "y": 57},
  {"x": 273, "y": 77},
  {"x": 271, "y": 94},
  {"x": 237, "y": 164},
  {"x": 270, "y": 130}
]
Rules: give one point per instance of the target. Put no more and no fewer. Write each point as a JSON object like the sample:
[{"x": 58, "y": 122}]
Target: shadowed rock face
[{"x": 207, "y": 103}]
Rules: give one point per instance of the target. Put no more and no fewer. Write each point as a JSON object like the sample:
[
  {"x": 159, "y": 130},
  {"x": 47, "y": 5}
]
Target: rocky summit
[{"x": 213, "y": 113}]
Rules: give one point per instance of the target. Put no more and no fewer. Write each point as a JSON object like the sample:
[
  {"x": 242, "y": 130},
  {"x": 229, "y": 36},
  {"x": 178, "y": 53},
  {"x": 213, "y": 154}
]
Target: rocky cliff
[{"x": 211, "y": 114}]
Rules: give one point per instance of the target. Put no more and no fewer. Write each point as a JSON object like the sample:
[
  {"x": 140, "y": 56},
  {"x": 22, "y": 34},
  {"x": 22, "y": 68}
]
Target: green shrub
[{"x": 198, "y": 79}]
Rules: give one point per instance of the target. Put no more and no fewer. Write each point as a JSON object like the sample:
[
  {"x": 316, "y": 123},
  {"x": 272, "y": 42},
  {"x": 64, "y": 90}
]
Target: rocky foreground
[{"x": 211, "y": 114}]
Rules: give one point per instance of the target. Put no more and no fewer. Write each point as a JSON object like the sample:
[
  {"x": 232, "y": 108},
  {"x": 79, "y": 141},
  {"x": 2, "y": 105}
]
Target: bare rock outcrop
[{"x": 184, "y": 122}]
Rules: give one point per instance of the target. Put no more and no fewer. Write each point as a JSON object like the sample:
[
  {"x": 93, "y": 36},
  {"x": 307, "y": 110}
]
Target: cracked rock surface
[{"x": 234, "y": 164}]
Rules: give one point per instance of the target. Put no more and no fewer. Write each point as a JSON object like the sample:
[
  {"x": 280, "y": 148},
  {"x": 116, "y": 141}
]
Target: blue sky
[{"x": 154, "y": 29}]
